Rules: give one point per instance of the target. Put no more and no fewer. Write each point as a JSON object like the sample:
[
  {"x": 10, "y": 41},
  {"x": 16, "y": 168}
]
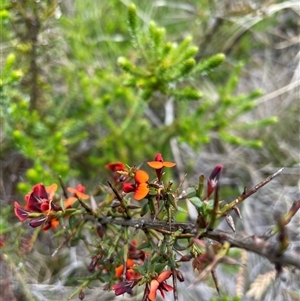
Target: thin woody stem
[
  {"x": 250, "y": 243},
  {"x": 120, "y": 199},
  {"x": 246, "y": 194}
]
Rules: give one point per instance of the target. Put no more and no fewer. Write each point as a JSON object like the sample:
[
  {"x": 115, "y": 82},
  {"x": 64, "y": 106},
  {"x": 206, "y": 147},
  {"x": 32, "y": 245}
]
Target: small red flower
[
  {"x": 213, "y": 179},
  {"x": 160, "y": 284},
  {"x": 158, "y": 164},
  {"x": 140, "y": 187},
  {"x": 39, "y": 200},
  {"x": 116, "y": 166}
]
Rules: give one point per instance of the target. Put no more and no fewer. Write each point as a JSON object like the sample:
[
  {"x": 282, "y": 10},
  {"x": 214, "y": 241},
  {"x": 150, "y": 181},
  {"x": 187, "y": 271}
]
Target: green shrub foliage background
[{"x": 87, "y": 83}]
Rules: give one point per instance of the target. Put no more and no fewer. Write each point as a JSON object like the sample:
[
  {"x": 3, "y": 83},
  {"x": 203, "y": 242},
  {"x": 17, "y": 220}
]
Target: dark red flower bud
[
  {"x": 123, "y": 287},
  {"x": 185, "y": 258},
  {"x": 179, "y": 276},
  {"x": 159, "y": 158},
  {"x": 93, "y": 263},
  {"x": 36, "y": 222},
  {"x": 213, "y": 179},
  {"x": 100, "y": 230},
  {"x": 81, "y": 295}
]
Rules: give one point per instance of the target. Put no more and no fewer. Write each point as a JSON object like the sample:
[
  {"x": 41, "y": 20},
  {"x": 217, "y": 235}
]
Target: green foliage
[
  {"x": 85, "y": 114},
  {"x": 84, "y": 83}
]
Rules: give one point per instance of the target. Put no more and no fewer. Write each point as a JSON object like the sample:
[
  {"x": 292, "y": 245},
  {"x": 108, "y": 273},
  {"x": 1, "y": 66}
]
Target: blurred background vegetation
[{"x": 209, "y": 82}]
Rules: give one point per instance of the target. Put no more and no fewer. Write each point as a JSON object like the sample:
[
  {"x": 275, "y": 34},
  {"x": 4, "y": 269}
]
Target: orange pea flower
[
  {"x": 132, "y": 278},
  {"x": 120, "y": 269},
  {"x": 140, "y": 187},
  {"x": 158, "y": 164},
  {"x": 78, "y": 193},
  {"x": 160, "y": 284}
]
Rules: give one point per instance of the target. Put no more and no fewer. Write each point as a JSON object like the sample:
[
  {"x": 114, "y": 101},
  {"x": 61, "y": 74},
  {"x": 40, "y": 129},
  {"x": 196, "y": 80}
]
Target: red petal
[
  {"x": 45, "y": 206},
  {"x": 133, "y": 275},
  {"x": 20, "y": 212},
  {"x": 141, "y": 176},
  {"x": 166, "y": 287},
  {"x": 38, "y": 194},
  {"x": 80, "y": 188},
  {"x": 116, "y": 166},
  {"x": 159, "y": 157},
  {"x": 141, "y": 191},
  {"x": 128, "y": 187},
  {"x": 155, "y": 164},
  {"x": 39, "y": 191}
]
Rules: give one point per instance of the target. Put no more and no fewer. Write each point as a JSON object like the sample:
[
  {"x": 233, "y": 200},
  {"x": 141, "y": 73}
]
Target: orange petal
[
  {"x": 51, "y": 190},
  {"x": 169, "y": 164},
  {"x": 153, "y": 288},
  {"x": 156, "y": 164},
  {"x": 79, "y": 194},
  {"x": 70, "y": 201},
  {"x": 141, "y": 176},
  {"x": 132, "y": 275},
  {"x": 119, "y": 271},
  {"x": 141, "y": 191},
  {"x": 54, "y": 223},
  {"x": 129, "y": 263},
  {"x": 164, "y": 276}
]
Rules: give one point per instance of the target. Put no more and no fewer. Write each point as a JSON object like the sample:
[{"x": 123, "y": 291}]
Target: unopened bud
[
  {"x": 179, "y": 276},
  {"x": 93, "y": 263},
  {"x": 187, "y": 257},
  {"x": 100, "y": 230},
  {"x": 81, "y": 295}
]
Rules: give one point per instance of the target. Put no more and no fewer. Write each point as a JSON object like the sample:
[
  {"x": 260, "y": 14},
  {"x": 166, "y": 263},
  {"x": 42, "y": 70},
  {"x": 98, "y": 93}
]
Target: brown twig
[
  {"x": 247, "y": 193},
  {"x": 256, "y": 245},
  {"x": 286, "y": 219},
  {"x": 250, "y": 243},
  {"x": 63, "y": 187},
  {"x": 120, "y": 199}
]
